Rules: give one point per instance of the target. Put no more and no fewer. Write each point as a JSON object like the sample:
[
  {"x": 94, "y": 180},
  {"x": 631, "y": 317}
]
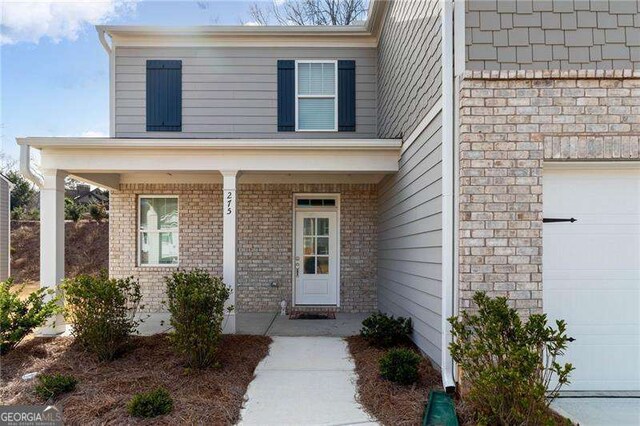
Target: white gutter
[
  {"x": 25, "y": 166},
  {"x": 448, "y": 147},
  {"x": 102, "y": 36}
]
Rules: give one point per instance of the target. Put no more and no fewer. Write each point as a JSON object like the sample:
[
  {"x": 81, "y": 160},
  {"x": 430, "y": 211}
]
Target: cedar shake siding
[
  {"x": 231, "y": 92},
  {"x": 410, "y": 220},
  {"x": 409, "y": 66},
  {"x": 548, "y": 35}
]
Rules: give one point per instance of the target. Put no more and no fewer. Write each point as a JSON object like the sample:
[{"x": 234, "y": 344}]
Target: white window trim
[
  {"x": 139, "y": 232},
  {"x": 337, "y": 209},
  {"x": 335, "y": 94}
]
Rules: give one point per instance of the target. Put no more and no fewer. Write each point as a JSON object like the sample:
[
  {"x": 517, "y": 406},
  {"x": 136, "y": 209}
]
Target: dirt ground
[
  {"x": 86, "y": 249},
  {"x": 211, "y": 396}
]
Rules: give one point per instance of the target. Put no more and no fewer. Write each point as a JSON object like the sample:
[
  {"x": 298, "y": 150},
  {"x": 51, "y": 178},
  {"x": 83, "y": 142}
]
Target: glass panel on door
[{"x": 315, "y": 246}]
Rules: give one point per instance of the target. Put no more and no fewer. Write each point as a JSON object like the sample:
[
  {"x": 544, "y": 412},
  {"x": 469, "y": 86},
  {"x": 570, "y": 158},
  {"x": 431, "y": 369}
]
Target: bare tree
[{"x": 309, "y": 12}]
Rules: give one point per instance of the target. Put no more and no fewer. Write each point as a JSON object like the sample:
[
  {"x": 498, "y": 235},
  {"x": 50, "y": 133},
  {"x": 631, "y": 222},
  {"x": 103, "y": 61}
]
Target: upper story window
[
  {"x": 164, "y": 96},
  {"x": 316, "y": 100},
  {"x": 316, "y": 95},
  {"x": 158, "y": 230}
]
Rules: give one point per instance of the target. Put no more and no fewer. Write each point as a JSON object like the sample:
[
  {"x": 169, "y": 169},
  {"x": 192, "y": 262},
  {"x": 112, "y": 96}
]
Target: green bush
[
  {"x": 385, "y": 331},
  {"x": 150, "y": 404},
  {"x": 97, "y": 212},
  {"x": 53, "y": 385},
  {"x": 18, "y": 318},
  {"x": 196, "y": 303},
  {"x": 72, "y": 210},
  {"x": 509, "y": 366},
  {"x": 102, "y": 311},
  {"x": 400, "y": 365}
]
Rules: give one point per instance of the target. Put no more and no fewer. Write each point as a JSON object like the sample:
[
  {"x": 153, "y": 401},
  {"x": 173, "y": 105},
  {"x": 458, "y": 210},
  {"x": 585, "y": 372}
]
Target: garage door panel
[
  {"x": 582, "y": 249},
  {"x": 591, "y": 272},
  {"x": 594, "y": 307}
]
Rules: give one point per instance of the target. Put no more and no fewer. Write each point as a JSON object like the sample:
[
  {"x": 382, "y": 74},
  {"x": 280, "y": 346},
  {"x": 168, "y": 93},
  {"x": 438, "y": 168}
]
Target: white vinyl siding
[
  {"x": 410, "y": 240},
  {"x": 158, "y": 230},
  {"x": 232, "y": 92},
  {"x": 316, "y": 96},
  {"x": 5, "y": 229}
]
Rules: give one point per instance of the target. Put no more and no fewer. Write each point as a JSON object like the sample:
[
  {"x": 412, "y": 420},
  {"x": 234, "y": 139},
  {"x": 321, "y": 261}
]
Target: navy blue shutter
[
  {"x": 286, "y": 96},
  {"x": 164, "y": 96},
  {"x": 347, "y": 96}
]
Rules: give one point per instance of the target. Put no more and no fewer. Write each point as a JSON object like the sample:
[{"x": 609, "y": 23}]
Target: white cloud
[
  {"x": 251, "y": 24},
  {"x": 29, "y": 21}
]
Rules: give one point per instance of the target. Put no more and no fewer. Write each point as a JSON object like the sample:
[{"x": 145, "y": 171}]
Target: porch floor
[{"x": 274, "y": 324}]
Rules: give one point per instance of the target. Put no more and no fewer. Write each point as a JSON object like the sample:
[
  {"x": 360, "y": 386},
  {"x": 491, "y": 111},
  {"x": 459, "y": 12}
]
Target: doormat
[{"x": 312, "y": 315}]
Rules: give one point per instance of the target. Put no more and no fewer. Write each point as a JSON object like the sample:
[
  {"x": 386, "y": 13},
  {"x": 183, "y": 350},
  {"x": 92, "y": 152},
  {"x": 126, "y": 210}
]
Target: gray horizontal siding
[
  {"x": 232, "y": 92},
  {"x": 553, "y": 34},
  {"x": 4, "y": 230},
  {"x": 410, "y": 239},
  {"x": 409, "y": 65}
]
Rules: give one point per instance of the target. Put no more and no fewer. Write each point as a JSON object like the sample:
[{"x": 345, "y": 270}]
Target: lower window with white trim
[{"x": 158, "y": 229}]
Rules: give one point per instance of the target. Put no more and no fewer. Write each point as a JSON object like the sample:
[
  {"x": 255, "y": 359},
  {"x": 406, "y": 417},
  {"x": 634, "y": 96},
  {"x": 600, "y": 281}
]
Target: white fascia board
[
  {"x": 267, "y": 156},
  {"x": 256, "y": 36},
  {"x": 104, "y": 143}
]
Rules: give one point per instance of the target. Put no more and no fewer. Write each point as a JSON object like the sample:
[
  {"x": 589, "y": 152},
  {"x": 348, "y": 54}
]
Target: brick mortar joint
[{"x": 550, "y": 74}]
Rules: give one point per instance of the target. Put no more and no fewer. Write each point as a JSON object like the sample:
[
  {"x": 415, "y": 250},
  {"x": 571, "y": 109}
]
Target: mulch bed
[
  {"x": 390, "y": 403},
  {"x": 211, "y": 396}
]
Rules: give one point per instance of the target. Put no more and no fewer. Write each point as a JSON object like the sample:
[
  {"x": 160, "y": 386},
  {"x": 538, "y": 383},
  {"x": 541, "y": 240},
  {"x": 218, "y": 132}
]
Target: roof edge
[{"x": 146, "y": 34}]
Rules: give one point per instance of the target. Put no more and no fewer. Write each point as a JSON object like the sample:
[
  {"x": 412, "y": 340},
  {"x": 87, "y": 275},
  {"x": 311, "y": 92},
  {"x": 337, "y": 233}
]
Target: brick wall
[
  {"x": 511, "y": 122},
  {"x": 265, "y": 245},
  {"x": 264, "y": 241},
  {"x": 200, "y": 209}
]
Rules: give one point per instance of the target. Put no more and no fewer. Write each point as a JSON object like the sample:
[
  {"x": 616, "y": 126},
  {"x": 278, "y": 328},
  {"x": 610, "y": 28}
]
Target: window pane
[
  {"x": 309, "y": 228},
  {"x": 316, "y": 114},
  {"x": 323, "y": 245},
  {"x": 323, "y": 265},
  {"x": 323, "y": 226},
  {"x": 168, "y": 208},
  {"x": 316, "y": 79},
  {"x": 168, "y": 248},
  {"x": 309, "y": 265},
  {"x": 158, "y": 213},
  {"x": 308, "y": 245},
  {"x": 158, "y": 248}
]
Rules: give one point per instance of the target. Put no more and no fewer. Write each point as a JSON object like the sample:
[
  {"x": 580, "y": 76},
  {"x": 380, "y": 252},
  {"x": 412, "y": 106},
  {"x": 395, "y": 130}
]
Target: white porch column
[
  {"x": 229, "y": 230},
  {"x": 52, "y": 241}
]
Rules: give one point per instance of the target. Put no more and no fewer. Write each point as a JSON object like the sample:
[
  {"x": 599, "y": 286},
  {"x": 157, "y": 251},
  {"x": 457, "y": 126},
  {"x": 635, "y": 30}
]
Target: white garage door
[{"x": 591, "y": 270}]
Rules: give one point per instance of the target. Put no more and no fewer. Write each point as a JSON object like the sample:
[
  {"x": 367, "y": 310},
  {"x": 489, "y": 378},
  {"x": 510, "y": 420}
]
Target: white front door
[
  {"x": 316, "y": 258},
  {"x": 591, "y": 272}
]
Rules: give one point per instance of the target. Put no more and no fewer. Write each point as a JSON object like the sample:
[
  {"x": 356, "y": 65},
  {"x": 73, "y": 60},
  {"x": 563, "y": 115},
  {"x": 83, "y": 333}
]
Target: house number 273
[{"x": 228, "y": 201}]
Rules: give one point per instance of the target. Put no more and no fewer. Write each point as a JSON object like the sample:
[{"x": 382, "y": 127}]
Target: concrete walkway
[
  {"x": 599, "y": 411},
  {"x": 304, "y": 381}
]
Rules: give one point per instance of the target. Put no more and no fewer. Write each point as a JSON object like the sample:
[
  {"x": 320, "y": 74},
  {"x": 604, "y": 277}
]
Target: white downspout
[
  {"x": 25, "y": 165},
  {"x": 448, "y": 147},
  {"x": 110, "y": 49}
]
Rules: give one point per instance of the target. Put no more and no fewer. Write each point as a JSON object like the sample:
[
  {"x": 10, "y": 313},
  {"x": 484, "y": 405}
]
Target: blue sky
[{"x": 59, "y": 86}]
